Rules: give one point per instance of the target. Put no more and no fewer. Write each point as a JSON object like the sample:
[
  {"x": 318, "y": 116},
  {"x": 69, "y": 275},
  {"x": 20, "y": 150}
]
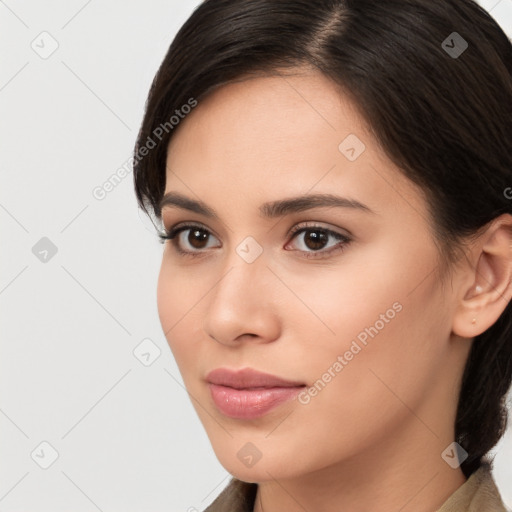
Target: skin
[{"x": 374, "y": 435}]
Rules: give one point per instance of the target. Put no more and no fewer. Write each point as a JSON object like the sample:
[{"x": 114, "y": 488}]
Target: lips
[
  {"x": 247, "y": 393},
  {"x": 248, "y": 379}
]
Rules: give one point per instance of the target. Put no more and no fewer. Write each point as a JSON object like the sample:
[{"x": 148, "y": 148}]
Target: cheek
[
  {"x": 179, "y": 291},
  {"x": 166, "y": 297},
  {"x": 384, "y": 320},
  {"x": 388, "y": 347},
  {"x": 177, "y": 303}
]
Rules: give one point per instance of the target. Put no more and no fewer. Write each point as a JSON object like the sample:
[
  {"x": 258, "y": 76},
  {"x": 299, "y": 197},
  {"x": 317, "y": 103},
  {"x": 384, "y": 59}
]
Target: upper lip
[{"x": 248, "y": 378}]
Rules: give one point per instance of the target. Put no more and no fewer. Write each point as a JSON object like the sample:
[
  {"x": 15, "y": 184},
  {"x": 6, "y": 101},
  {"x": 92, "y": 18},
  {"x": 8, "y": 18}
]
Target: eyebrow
[{"x": 269, "y": 210}]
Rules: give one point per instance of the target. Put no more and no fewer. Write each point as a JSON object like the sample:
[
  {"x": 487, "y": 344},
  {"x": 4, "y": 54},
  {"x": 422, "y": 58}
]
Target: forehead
[
  {"x": 272, "y": 112},
  {"x": 274, "y": 136}
]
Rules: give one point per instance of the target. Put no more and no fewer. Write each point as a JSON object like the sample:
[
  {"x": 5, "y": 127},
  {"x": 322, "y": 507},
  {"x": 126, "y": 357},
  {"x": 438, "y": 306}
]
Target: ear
[{"x": 487, "y": 287}]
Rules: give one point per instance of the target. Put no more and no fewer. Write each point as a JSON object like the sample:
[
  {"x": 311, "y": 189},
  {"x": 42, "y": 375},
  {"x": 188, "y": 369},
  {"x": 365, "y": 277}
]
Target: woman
[{"x": 333, "y": 180}]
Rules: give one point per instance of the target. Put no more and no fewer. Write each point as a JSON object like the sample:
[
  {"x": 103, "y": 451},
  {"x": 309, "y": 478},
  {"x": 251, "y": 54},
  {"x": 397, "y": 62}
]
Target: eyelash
[{"x": 344, "y": 240}]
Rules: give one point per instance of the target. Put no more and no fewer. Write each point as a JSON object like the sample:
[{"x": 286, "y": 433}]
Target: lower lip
[{"x": 250, "y": 403}]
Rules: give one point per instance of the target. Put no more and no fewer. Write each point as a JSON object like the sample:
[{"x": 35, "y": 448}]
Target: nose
[{"x": 242, "y": 305}]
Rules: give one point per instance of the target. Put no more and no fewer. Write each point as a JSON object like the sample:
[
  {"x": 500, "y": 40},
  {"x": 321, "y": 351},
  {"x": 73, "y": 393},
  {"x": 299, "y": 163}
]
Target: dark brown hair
[{"x": 442, "y": 113}]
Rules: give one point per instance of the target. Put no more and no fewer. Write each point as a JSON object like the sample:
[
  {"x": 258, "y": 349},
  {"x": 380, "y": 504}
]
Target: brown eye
[
  {"x": 197, "y": 237},
  {"x": 318, "y": 242},
  {"x": 315, "y": 239},
  {"x": 189, "y": 239}
]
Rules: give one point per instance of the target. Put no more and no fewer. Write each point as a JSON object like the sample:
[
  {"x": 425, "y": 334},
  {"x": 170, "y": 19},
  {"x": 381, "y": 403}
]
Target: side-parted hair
[{"x": 433, "y": 80}]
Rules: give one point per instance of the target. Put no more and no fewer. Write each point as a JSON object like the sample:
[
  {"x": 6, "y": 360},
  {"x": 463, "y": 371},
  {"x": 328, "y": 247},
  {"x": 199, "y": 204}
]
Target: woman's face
[{"x": 349, "y": 308}]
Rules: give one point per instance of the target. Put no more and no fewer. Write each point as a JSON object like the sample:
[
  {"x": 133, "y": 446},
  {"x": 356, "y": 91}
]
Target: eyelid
[
  {"x": 188, "y": 224},
  {"x": 319, "y": 225},
  {"x": 176, "y": 230},
  {"x": 291, "y": 231},
  {"x": 343, "y": 239}
]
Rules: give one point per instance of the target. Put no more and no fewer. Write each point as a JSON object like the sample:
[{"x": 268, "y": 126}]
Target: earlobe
[{"x": 490, "y": 288}]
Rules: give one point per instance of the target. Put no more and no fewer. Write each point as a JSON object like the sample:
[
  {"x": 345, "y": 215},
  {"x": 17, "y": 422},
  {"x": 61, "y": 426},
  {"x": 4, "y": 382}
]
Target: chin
[{"x": 256, "y": 461}]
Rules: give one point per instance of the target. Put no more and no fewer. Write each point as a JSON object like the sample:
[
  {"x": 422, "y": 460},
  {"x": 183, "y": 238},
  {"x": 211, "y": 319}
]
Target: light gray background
[{"x": 126, "y": 434}]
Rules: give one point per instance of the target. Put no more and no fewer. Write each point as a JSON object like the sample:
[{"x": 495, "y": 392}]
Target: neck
[{"x": 398, "y": 475}]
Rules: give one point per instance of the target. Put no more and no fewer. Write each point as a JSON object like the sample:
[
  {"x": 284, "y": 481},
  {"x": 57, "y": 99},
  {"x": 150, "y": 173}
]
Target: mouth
[{"x": 247, "y": 393}]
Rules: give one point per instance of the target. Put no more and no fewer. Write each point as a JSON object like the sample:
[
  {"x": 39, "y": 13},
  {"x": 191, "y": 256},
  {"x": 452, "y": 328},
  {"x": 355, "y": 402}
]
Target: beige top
[{"x": 478, "y": 494}]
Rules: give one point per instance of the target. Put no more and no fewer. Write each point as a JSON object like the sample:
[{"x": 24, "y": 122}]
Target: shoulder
[
  {"x": 238, "y": 496},
  {"x": 478, "y": 493}
]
